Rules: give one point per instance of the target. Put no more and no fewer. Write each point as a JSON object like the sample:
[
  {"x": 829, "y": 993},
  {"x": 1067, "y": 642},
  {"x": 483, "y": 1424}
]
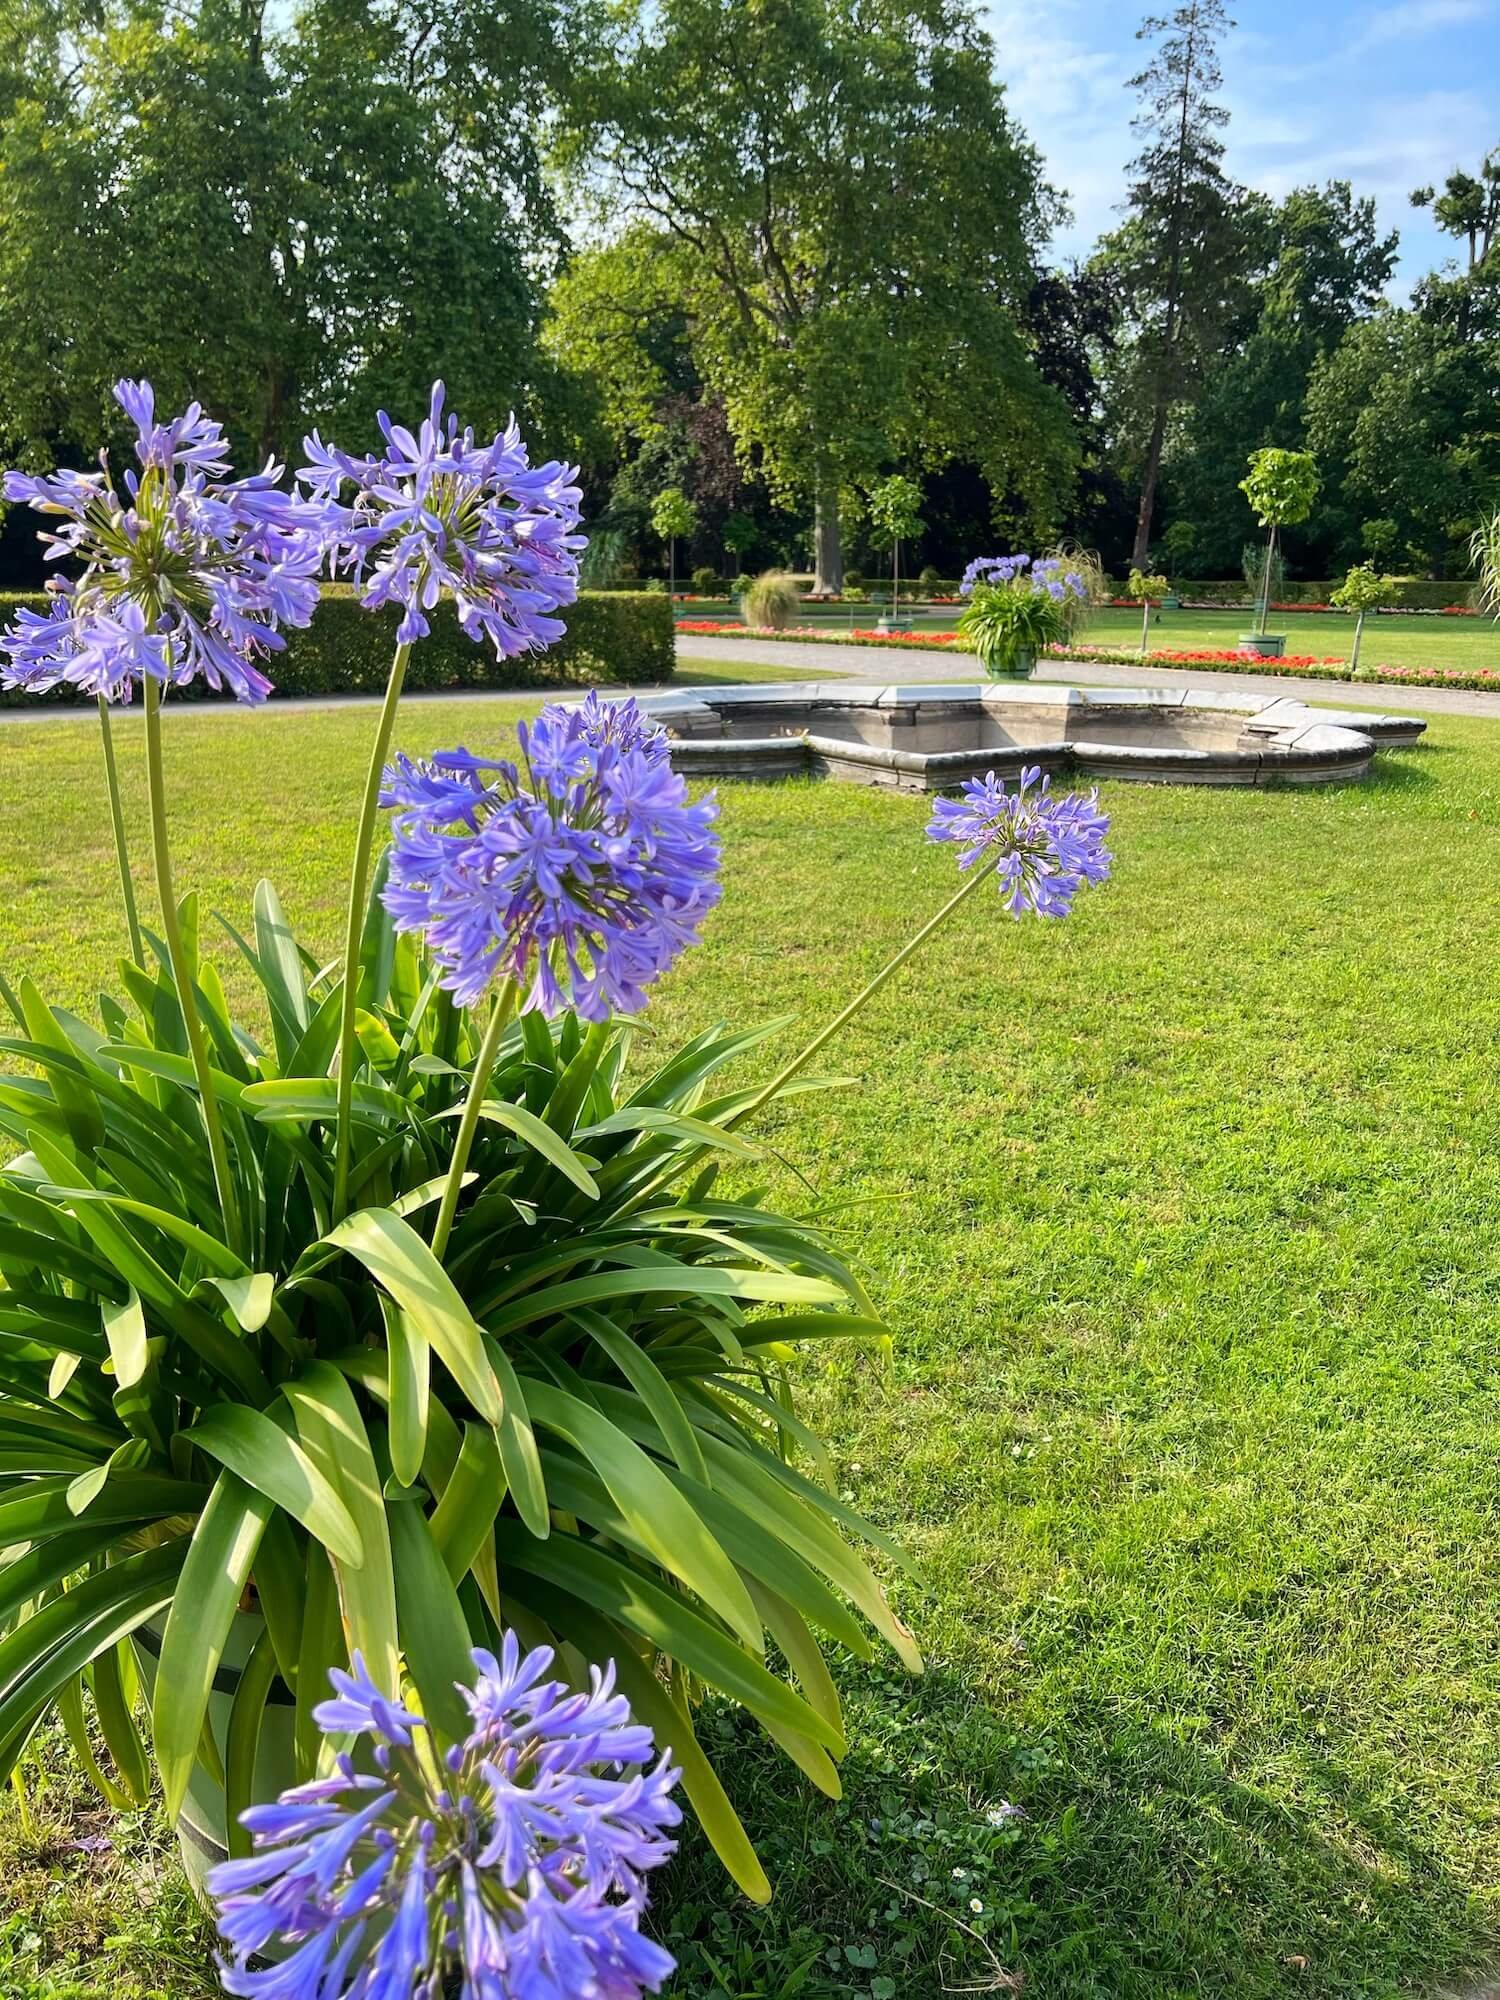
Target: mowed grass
[
  {"x": 1388, "y": 641},
  {"x": 1183, "y": 1214}
]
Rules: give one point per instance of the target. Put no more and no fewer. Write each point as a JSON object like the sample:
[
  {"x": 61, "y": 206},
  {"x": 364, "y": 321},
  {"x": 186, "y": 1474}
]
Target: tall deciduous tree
[
  {"x": 834, "y": 192},
  {"x": 292, "y": 216},
  {"x": 1468, "y": 209},
  {"x": 1325, "y": 267},
  {"x": 1180, "y": 252},
  {"x": 1402, "y": 416}
]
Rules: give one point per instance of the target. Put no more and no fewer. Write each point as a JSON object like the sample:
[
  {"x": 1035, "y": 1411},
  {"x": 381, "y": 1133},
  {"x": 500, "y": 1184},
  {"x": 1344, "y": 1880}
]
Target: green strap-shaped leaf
[
  {"x": 541, "y": 1139},
  {"x": 70, "y": 1714},
  {"x": 717, "y": 1281},
  {"x": 665, "y": 1620},
  {"x": 464, "y": 1519},
  {"x": 117, "y": 1724},
  {"x": 653, "y": 1388},
  {"x": 668, "y": 1527},
  {"x": 249, "y": 1297},
  {"x": 410, "y": 1382},
  {"x": 322, "y": 1648},
  {"x": 334, "y": 1435},
  {"x": 219, "y": 1561},
  {"x": 518, "y": 1452},
  {"x": 669, "y": 1724},
  {"x": 260, "y": 1452},
  {"x": 280, "y": 967},
  {"x": 433, "y": 1627},
  {"x": 397, "y": 1258},
  {"x": 75, "y": 1099},
  {"x": 280, "y": 1578},
  {"x": 125, "y": 1330},
  {"x": 242, "y": 1740},
  {"x": 40, "y": 1657}
]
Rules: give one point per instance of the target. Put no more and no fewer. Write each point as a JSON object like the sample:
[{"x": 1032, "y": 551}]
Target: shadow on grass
[{"x": 1137, "y": 1866}]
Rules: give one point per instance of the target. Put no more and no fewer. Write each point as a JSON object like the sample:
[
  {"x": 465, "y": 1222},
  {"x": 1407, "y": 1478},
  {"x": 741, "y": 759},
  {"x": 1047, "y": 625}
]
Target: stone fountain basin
[{"x": 929, "y": 738}]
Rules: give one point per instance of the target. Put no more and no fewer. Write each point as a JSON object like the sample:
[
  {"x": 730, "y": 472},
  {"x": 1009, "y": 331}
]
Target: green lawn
[
  {"x": 1183, "y": 1213},
  {"x": 1396, "y": 642}
]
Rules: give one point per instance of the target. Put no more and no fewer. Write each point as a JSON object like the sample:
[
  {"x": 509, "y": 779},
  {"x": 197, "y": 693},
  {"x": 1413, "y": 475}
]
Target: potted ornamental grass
[
  {"x": 1281, "y": 486},
  {"x": 398, "y": 1385},
  {"x": 1016, "y": 608}
]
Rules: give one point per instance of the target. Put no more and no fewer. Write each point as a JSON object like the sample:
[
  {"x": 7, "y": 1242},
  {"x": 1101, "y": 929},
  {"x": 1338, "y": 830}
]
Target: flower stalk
[
  {"x": 182, "y": 972},
  {"x": 502, "y": 1013},
  {"x": 861, "y": 999},
  {"x": 359, "y": 889},
  {"x": 117, "y": 822}
]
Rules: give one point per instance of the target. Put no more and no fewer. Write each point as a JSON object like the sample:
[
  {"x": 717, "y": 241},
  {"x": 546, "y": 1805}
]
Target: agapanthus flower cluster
[
  {"x": 183, "y": 574},
  {"x": 441, "y": 514},
  {"x": 1046, "y": 848},
  {"x": 511, "y": 1867},
  {"x": 580, "y": 873},
  {"x": 1049, "y": 575}
]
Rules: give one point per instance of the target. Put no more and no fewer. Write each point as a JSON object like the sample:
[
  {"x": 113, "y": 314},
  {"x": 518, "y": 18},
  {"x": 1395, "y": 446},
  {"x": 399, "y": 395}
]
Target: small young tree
[
  {"x": 740, "y": 535},
  {"x": 673, "y": 514},
  {"x": 1145, "y": 587},
  {"x": 1360, "y": 592},
  {"x": 1281, "y": 486},
  {"x": 895, "y": 517}
]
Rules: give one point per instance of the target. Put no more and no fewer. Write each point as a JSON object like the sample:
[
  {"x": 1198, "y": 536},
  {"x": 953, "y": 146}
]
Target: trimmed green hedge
[
  {"x": 1416, "y": 595},
  {"x": 616, "y": 636}
]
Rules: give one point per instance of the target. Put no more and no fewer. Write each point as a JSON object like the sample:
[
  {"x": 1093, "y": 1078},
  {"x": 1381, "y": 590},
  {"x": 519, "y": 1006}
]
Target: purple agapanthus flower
[
  {"x": 1020, "y": 572},
  {"x": 511, "y": 1867},
  {"x": 1046, "y": 848},
  {"x": 183, "y": 574},
  {"x": 580, "y": 874},
  {"x": 440, "y": 514}
]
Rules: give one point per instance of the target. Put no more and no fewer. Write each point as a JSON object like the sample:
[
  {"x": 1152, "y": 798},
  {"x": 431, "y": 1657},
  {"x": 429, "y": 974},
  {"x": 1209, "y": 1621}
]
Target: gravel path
[
  {"x": 909, "y": 664},
  {"x": 886, "y": 665}
]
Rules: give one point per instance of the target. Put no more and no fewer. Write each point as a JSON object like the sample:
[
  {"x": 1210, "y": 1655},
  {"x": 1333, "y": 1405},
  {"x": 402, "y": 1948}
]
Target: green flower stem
[
  {"x": 799, "y": 1062},
  {"x": 117, "y": 821},
  {"x": 501, "y": 1014},
  {"x": 182, "y": 972},
  {"x": 359, "y": 886}
]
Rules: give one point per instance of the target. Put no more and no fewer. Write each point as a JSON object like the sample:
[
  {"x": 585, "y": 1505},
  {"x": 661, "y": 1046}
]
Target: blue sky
[{"x": 1386, "y": 96}]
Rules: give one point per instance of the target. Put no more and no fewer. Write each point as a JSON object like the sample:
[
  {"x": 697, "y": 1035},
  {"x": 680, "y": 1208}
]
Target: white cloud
[
  {"x": 1410, "y": 18},
  {"x": 1299, "y": 114}
]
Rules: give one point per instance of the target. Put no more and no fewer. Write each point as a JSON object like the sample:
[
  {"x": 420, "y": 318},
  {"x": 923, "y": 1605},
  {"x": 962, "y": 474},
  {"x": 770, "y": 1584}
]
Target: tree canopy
[{"x": 833, "y": 197}]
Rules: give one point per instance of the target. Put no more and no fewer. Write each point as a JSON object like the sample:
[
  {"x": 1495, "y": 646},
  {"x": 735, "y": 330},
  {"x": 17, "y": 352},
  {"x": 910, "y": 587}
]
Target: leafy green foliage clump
[{"x": 577, "y": 1424}]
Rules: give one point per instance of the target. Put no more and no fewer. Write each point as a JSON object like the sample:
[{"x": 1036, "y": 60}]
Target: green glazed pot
[{"x": 1019, "y": 667}]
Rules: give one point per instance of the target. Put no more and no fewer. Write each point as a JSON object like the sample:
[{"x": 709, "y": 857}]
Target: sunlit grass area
[{"x": 1182, "y": 1214}]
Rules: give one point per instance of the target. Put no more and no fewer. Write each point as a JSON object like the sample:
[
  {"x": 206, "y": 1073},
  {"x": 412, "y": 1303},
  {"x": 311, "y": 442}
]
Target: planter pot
[
  {"x": 1266, "y": 645},
  {"x": 1171, "y": 604},
  {"x": 1020, "y": 667},
  {"x": 893, "y": 625},
  {"x": 201, "y": 1831}
]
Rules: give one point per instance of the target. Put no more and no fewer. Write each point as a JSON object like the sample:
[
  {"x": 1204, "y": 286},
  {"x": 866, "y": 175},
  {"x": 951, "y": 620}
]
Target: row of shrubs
[
  {"x": 1230, "y": 592},
  {"x": 620, "y": 636}
]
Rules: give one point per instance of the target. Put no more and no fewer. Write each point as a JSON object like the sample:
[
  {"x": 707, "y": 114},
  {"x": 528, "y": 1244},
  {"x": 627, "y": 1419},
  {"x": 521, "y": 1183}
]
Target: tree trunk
[
  {"x": 828, "y": 541},
  {"x": 1359, "y": 627},
  {"x": 1148, "y": 486},
  {"x": 1265, "y": 586}
]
